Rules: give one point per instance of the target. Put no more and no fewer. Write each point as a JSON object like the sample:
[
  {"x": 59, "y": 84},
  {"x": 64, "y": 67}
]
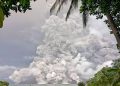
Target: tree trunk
[{"x": 114, "y": 29}]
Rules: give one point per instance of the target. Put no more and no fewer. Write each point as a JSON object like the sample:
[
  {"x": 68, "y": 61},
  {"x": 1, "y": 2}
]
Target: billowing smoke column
[{"x": 68, "y": 54}]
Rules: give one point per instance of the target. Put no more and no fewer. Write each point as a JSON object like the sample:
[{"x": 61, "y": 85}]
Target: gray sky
[{"x": 20, "y": 36}]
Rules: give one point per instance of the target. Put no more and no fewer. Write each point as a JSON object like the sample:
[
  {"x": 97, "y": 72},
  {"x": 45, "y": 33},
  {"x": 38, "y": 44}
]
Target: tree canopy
[
  {"x": 4, "y": 83},
  {"x": 16, "y": 5},
  {"x": 108, "y": 76},
  {"x": 101, "y": 8}
]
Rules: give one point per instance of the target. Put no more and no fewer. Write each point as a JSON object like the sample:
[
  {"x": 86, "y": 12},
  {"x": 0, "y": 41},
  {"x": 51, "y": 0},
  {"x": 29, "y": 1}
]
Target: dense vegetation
[
  {"x": 108, "y": 76},
  {"x": 4, "y": 83}
]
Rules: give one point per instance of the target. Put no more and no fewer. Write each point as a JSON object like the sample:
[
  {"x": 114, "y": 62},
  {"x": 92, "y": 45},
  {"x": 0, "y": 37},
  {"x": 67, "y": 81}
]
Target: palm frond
[
  {"x": 61, "y": 4},
  {"x": 73, "y": 5},
  {"x": 85, "y": 13},
  {"x": 69, "y": 10},
  {"x": 54, "y": 5},
  {"x": 85, "y": 18}
]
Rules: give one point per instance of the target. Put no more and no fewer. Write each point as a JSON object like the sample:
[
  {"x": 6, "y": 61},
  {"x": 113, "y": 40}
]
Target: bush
[
  {"x": 81, "y": 84},
  {"x": 108, "y": 76},
  {"x": 4, "y": 83}
]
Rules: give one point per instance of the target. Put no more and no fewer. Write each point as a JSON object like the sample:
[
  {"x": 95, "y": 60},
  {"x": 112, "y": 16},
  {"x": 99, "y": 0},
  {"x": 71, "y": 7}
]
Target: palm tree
[{"x": 73, "y": 5}]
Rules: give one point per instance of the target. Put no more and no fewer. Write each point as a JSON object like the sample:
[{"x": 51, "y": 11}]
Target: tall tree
[{"x": 108, "y": 8}]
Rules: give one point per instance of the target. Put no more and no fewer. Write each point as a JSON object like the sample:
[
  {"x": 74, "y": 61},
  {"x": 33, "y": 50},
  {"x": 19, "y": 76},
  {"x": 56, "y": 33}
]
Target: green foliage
[
  {"x": 116, "y": 63},
  {"x": 108, "y": 8},
  {"x": 1, "y": 17},
  {"x": 105, "y": 77},
  {"x": 4, "y": 83},
  {"x": 81, "y": 84},
  {"x": 103, "y": 7},
  {"x": 108, "y": 76},
  {"x": 15, "y": 5}
]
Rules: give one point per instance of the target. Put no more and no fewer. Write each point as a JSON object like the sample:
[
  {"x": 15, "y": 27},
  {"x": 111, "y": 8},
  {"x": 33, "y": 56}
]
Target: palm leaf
[
  {"x": 85, "y": 18},
  {"x": 54, "y": 5},
  {"x": 69, "y": 10},
  {"x": 73, "y": 5},
  {"x": 61, "y": 4}
]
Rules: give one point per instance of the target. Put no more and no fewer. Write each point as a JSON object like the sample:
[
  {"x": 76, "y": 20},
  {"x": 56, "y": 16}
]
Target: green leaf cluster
[
  {"x": 16, "y": 5},
  {"x": 4, "y": 83},
  {"x": 81, "y": 84},
  {"x": 99, "y": 8},
  {"x": 105, "y": 77},
  {"x": 1, "y": 17},
  {"x": 108, "y": 76}
]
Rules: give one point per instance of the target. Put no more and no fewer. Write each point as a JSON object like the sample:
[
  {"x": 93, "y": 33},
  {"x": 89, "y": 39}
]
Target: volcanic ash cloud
[{"x": 68, "y": 54}]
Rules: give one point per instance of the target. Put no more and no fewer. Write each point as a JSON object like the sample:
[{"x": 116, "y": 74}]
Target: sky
[
  {"x": 22, "y": 36},
  {"x": 19, "y": 36}
]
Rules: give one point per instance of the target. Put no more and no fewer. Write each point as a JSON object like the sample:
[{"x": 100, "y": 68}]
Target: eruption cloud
[{"x": 68, "y": 53}]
